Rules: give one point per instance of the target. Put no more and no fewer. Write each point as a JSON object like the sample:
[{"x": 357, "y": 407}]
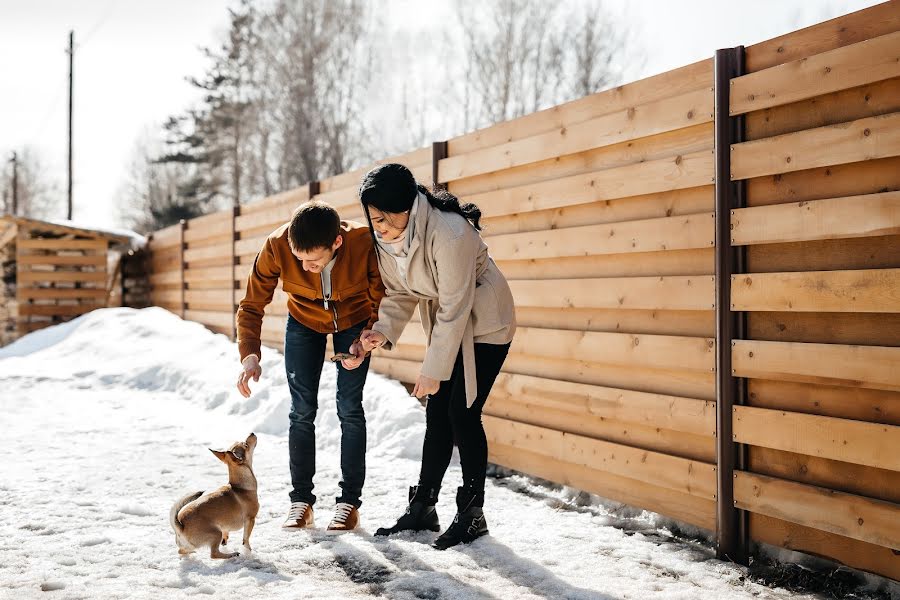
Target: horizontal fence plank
[
  {"x": 671, "y": 472},
  {"x": 636, "y": 435},
  {"x": 853, "y": 553},
  {"x": 167, "y": 296},
  {"x": 858, "y": 442},
  {"x": 168, "y": 236},
  {"x": 865, "y": 519},
  {"x": 208, "y": 284},
  {"x": 654, "y": 351},
  {"x": 876, "y": 406},
  {"x": 54, "y": 276},
  {"x": 825, "y": 255},
  {"x": 197, "y": 274},
  {"x": 685, "y": 383},
  {"x": 58, "y": 310},
  {"x": 632, "y": 264},
  {"x": 839, "y": 69},
  {"x": 693, "y": 323},
  {"x": 850, "y": 217},
  {"x": 29, "y": 293},
  {"x": 213, "y": 318},
  {"x": 201, "y": 238},
  {"x": 629, "y": 123},
  {"x": 686, "y": 415},
  {"x": 664, "y": 293},
  {"x": 862, "y": 139},
  {"x": 61, "y": 244},
  {"x": 209, "y": 296},
  {"x": 847, "y": 29},
  {"x": 684, "y": 507},
  {"x": 96, "y": 260},
  {"x": 215, "y": 223},
  {"x": 165, "y": 278},
  {"x": 868, "y": 290},
  {"x": 879, "y": 98},
  {"x": 678, "y": 81},
  {"x": 840, "y": 476},
  {"x": 250, "y": 246},
  {"x": 835, "y": 181},
  {"x": 682, "y": 141},
  {"x": 831, "y": 364},
  {"x": 294, "y": 196},
  {"x": 273, "y": 217},
  {"x": 663, "y": 175},
  {"x": 667, "y": 233},
  {"x": 414, "y": 158},
  {"x": 863, "y": 329},
  {"x": 218, "y": 251},
  {"x": 650, "y": 206}
]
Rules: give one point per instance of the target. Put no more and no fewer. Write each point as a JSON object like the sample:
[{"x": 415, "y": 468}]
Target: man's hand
[
  {"x": 250, "y": 369},
  {"x": 371, "y": 339},
  {"x": 425, "y": 386},
  {"x": 356, "y": 349}
]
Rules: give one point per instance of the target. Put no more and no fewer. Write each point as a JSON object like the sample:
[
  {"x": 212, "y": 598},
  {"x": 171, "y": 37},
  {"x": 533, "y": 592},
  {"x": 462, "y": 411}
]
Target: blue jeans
[{"x": 304, "y": 354}]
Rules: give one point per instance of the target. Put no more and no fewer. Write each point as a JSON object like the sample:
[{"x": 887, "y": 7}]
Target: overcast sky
[{"x": 132, "y": 57}]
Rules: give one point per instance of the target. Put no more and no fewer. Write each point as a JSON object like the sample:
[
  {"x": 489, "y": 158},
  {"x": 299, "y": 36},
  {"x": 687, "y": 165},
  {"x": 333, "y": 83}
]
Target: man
[{"x": 330, "y": 272}]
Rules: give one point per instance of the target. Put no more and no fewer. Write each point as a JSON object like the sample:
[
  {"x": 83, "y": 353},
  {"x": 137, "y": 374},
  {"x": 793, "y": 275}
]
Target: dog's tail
[{"x": 176, "y": 508}]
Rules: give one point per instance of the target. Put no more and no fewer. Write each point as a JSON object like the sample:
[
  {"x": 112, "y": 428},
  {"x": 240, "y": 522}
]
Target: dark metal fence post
[
  {"x": 731, "y": 530},
  {"x": 181, "y": 248},
  {"x": 438, "y": 152},
  {"x": 235, "y": 213}
]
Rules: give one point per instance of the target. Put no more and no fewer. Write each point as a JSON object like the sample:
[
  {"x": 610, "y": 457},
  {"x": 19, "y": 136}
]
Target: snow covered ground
[{"x": 107, "y": 420}]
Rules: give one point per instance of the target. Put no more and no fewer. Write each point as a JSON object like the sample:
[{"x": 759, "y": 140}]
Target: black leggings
[{"x": 449, "y": 421}]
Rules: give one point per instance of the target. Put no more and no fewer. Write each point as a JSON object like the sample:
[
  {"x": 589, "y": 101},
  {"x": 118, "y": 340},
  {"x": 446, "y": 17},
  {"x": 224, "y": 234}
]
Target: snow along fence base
[{"x": 602, "y": 212}]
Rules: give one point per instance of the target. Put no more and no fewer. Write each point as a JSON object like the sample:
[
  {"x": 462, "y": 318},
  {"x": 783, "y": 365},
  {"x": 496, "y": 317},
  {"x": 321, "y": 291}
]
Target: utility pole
[
  {"x": 71, "y": 77},
  {"x": 15, "y": 184}
]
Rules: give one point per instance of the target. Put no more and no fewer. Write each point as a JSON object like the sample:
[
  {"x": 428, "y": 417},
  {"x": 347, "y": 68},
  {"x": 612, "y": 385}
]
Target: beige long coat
[{"x": 462, "y": 296}]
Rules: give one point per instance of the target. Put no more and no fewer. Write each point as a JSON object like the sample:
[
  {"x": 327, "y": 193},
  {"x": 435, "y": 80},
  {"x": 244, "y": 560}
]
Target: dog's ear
[
  {"x": 237, "y": 455},
  {"x": 221, "y": 455}
]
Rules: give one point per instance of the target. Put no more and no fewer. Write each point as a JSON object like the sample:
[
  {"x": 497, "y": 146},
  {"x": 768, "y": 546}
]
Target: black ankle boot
[
  {"x": 469, "y": 523},
  {"x": 420, "y": 515}
]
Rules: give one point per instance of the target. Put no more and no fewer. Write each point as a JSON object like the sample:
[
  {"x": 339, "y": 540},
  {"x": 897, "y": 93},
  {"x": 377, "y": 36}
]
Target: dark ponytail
[
  {"x": 392, "y": 188},
  {"x": 443, "y": 200}
]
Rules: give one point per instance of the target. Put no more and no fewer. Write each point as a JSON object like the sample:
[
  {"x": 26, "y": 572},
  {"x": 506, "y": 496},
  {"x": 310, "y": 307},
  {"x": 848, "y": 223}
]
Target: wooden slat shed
[{"x": 55, "y": 271}]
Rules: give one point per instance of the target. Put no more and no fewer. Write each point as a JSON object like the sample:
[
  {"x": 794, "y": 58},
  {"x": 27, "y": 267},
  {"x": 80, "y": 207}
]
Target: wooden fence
[
  {"x": 820, "y": 290},
  {"x": 602, "y": 213}
]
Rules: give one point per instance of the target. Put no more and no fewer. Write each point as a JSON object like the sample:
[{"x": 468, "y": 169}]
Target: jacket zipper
[
  {"x": 333, "y": 307},
  {"x": 333, "y": 310}
]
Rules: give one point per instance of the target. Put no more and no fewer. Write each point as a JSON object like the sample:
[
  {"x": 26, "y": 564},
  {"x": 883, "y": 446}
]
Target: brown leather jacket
[{"x": 356, "y": 288}]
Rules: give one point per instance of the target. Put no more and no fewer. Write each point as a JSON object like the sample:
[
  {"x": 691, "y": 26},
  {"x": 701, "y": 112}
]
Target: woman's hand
[
  {"x": 359, "y": 355},
  {"x": 425, "y": 386},
  {"x": 250, "y": 369},
  {"x": 371, "y": 339}
]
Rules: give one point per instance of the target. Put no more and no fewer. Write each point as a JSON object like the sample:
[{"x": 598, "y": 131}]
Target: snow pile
[
  {"x": 106, "y": 422},
  {"x": 155, "y": 351}
]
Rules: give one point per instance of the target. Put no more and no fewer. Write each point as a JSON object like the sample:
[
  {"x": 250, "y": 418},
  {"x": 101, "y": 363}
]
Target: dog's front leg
[{"x": 248, "y": 529}]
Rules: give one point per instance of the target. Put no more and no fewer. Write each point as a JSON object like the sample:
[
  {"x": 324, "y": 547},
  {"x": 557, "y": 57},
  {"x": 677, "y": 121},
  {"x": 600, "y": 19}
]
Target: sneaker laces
[
  {"x": 298, "y": 509},
  {"x": 341, "y": 512}
]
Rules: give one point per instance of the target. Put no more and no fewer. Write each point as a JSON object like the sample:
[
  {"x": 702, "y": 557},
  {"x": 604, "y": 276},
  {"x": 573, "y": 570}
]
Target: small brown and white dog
[{"x": 205, "y": 519}]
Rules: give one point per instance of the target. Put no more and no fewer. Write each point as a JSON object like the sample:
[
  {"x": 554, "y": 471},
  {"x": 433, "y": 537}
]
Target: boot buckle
[{"x": 472, "y": 529}]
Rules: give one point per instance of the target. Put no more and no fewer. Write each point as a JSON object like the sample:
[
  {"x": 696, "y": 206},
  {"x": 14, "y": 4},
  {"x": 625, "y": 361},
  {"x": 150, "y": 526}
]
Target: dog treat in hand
[{"x": 339, "y": 356}]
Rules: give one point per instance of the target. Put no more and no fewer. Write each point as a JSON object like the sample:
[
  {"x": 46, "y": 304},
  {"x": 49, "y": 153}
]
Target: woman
[{"x": 431, "y": 255}]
